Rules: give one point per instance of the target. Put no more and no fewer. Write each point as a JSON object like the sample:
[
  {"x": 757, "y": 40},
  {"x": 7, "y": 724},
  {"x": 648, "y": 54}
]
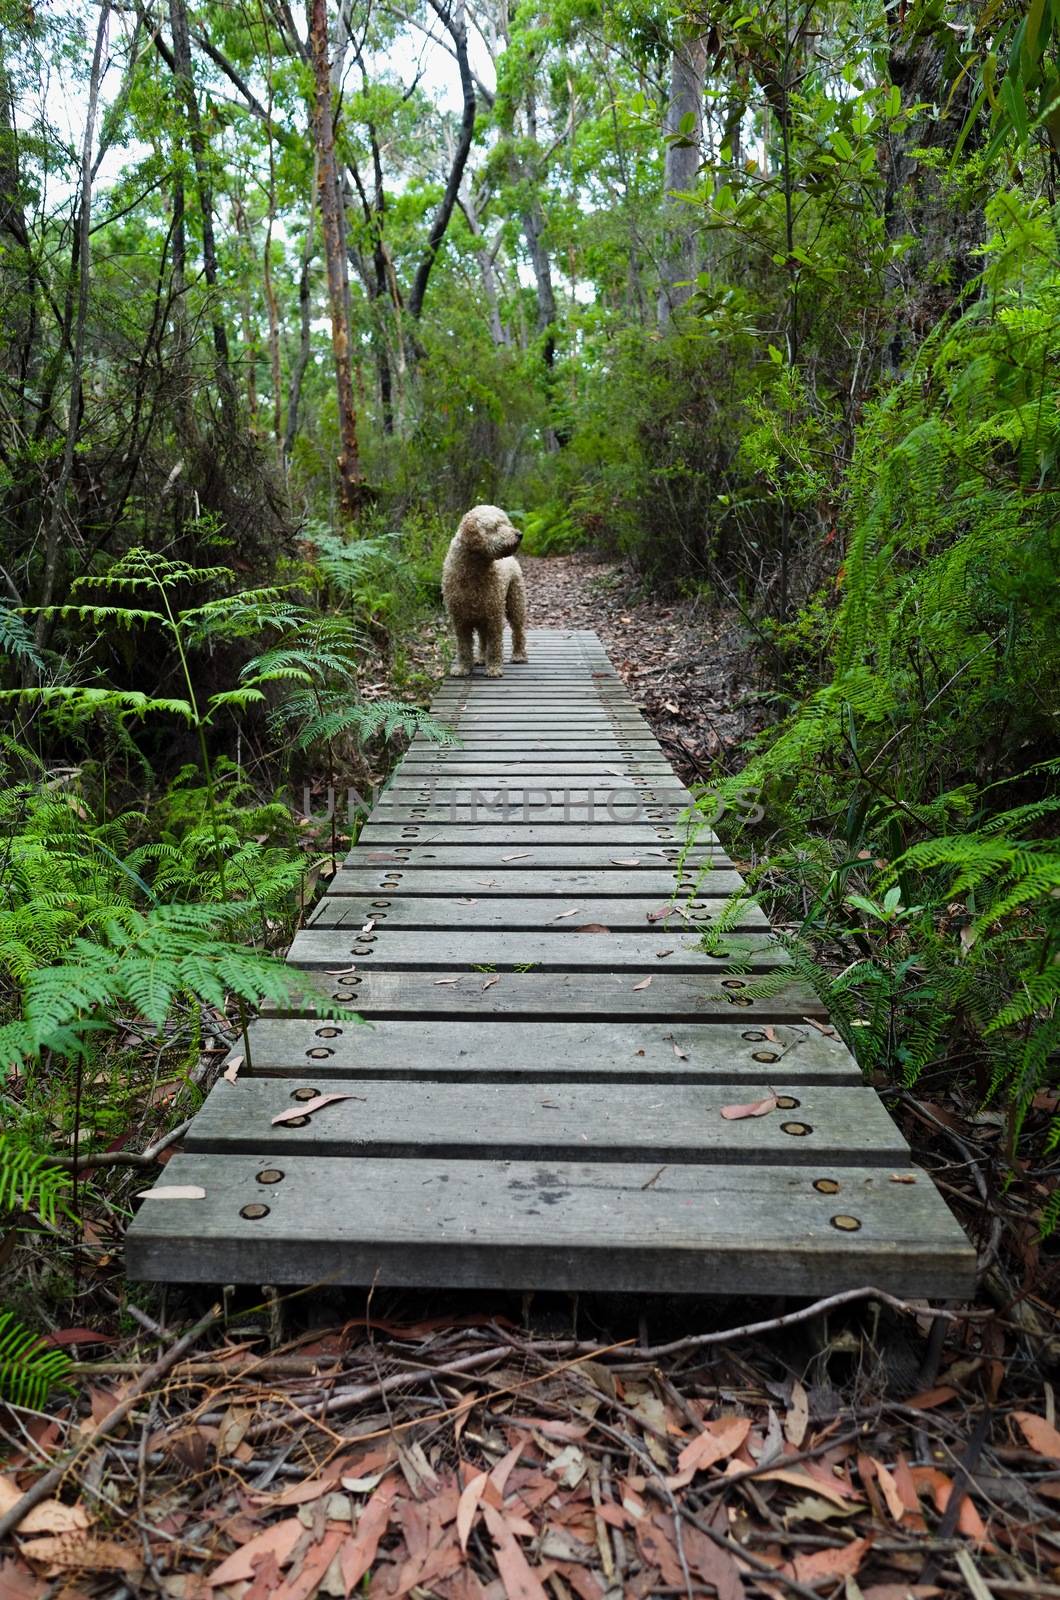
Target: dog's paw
[
  {"x": 460, "y": 672},
  {"x": 522, "y": 656},
  {"x": 494, "y": 672}
]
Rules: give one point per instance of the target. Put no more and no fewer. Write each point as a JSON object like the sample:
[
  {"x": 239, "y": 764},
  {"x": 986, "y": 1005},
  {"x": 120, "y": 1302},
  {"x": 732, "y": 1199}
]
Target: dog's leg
[
  {"x": 465, "y": 652},
  {"x": 515, "y": 608},
  {"x": 480, "y": 647},
  {"x": 493, "y": 640}
]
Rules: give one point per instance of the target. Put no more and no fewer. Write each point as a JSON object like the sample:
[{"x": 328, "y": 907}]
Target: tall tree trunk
[
  {"x": 684, "y": 131},
  {"x": 305, "y": 302},
  {"x": 178, "y": 21},
  {"x": 57, "y": 509},
  {"x": 352, "y": 488},
  {"x": 454, "y": 19},
  {"x": 498, "y": 331}
]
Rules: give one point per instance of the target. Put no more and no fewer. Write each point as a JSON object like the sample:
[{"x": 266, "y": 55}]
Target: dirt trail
[{"x": 685, "y": 662}]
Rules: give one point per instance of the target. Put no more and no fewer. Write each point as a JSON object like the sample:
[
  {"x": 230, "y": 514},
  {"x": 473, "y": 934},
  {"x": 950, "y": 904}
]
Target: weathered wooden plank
[
  {"x": 552, "y": 951},
  {"x": 632, "y": 913},
  {"x": 501, "y": 1051},
  {"x": 606, "y": 996},
  {"x": 629, "y": 807},
  {"x": 551, "y": 1225},
  {"x": 365, "y": 878},
  {"x": 567, "y": 769},
  {"x": 487, "y": 858},
  {"x": 529, "y": 1121},
  {"x": 403, "y": 790},
  {"x": 647, "y": 836}
]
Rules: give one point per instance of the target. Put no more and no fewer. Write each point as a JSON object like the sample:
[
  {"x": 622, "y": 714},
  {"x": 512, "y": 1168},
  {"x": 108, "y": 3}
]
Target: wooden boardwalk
[{"x": 535, "y": 1098}]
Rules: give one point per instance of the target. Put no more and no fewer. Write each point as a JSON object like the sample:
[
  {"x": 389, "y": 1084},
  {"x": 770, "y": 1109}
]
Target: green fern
[
  {"x": 29, "y": 1368},
  {"x": 28, "y": 1183}
]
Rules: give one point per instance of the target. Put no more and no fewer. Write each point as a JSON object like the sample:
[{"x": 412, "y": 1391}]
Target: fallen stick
[
  {"x": 51, "y": 1480},
  {"x": 121, "y": 1158}
]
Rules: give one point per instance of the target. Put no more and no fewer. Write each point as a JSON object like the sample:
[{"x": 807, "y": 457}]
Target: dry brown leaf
[
  {"x": 359, "y": 1551},
  {"x": 591, "y": 927},
  {"x": 305, "y": 1108},
  {"x": 625, "y": 861},
  {"x": 801, "y": 1480},
  {"x": 682, "y": 1055},
  {"x": 930, "y": 1398},
  {"x": 754, "y": 1108},
  {"x": 82, "y": 1552},
  {"x": 231, "y": 1072},
  {"x": 643, "y": 983},
  {"x": 718, "y": 1440},
  {"x": 822, "y": 1027},
  {"x": 278, "y": 1540},
  {"x": 573, "y": 912},
  {"x": 318, "y": 1558},
  {"x": 840, "y": 1563},
  {"x": 798, "y": 1417},
  {"x": 889, "y": 1490},
  {"x": 1042, "y": 1437},
  {"x": 17, "y": 1582},
  {"x": 520, "y": 1581},
  {"x": 51, "y": 1516},
  {"x": 467, "y": 1506},
  {"x": 519, "y": 855},
  {"x": 491, "y": 981},
  {"x": 438, "y": 982},
  {"x": 902, "y": 1177}
]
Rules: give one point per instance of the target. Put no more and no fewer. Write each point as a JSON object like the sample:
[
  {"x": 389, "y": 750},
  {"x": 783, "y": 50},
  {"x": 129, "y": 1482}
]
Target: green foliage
[
  {"x": 29, "y": 1368},
  {"x": 549, "y": 530}
]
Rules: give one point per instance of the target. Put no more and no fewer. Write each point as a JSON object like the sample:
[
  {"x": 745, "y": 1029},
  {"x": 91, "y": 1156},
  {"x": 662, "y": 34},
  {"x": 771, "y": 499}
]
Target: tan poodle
[{"x": 482, "y": 583}]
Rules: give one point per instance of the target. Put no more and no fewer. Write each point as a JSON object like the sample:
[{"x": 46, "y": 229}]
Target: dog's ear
[{"x": 471, "y": 532}]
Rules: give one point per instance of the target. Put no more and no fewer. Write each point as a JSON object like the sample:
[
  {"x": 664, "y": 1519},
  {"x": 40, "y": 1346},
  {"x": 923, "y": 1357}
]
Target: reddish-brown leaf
[
  {"x": 517, "y": 1575},
  {"x": 717, "y": 1441},
  {"x": 840, "y": 1563},
  {"x": 359, "y": 1551},
  {"x": 305, "y": 1108},
  {"x": 279, "y": 1540},
  {"x": 754, "y": 1108},
  {"x": 1042, "y": 1437}
]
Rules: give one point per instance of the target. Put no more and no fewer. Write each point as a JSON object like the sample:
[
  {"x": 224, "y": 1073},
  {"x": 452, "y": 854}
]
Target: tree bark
[
  {"x": 498, "y": 331},
  {"x": 352, "y": 488},
  {"x": 301, "y": 362},
  {"x": 57, "y": 508},
  {"x": 684, "y": 130},
  {"x": 182, "y": 67},
  {"x": 453, "y": 17}
]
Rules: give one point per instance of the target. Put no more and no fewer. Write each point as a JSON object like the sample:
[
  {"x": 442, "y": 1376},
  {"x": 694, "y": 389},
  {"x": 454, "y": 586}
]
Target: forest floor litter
[{"x": 436, "y": 1445}]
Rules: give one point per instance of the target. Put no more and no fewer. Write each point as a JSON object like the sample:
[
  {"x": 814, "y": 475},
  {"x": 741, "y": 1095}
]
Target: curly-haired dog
[{"x": 482, "y": 583}]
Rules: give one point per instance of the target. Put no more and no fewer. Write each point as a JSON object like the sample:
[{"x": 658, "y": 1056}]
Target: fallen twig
[{"x": 51, "y": 1480}]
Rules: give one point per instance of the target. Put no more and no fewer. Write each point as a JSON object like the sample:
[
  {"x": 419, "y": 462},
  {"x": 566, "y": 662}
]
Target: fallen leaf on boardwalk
[
  {"x": 573, "y": 912},
  {"x": 591, "y": 927},
  {"x": 279, "y": 1541},
  {"x": 662, "y": 913},
  {"x": 173, "y": 1191},
  {"x": 305, "y": 1108},
  {"x": 359, "y": 1551},
  {"x": 822, "y": 1027},
  {"x": 491, "y": 981},
  {"x": 231, "y": 1072},
  {"x": 486, "y": 883},
  {"x": 518, "y": 1577},
  {"x": 438, "y": 982},
  {"x": 718, "y": 1440},
  {"x": 798, "y": 1417},
  {"x": 626, "y": 861},
  {"x": 660, "y": 953},
  {"x": 368, "y": 926},
  {"x": 682, "y": 1055},
  {"x": 468, "y": 1505},
  {"x": 840, "y": 1563},
  {"x": 339, "y": 972},
  {"x": 81, "y": 1552},
  {"x": 902, "y": 1177},
  {"x": 1042, "y": 1437},
  {"x": 467, "y": 901},
  {"x": 520, "y": 855},
  {"x": 51, "y": 1516},
  {"x": 754, "y": 1108},
  {"x": 643, "y": 983}
]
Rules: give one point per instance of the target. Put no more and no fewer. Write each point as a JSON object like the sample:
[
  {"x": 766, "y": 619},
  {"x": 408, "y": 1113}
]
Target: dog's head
[{"x": 487, "y": 532}]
